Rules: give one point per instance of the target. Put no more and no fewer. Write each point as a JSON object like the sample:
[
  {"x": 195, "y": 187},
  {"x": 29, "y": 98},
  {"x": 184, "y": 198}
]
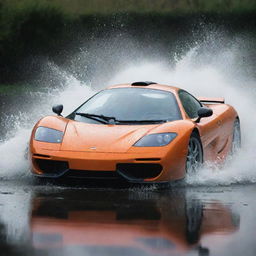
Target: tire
[
  {"x": 195, "y": 154},
  {"x": 236, "y": 140}
]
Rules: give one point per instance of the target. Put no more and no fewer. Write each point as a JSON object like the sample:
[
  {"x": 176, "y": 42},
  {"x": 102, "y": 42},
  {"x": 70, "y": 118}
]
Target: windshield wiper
[
  {"x": 106, "y": 119},
  {"x": 102, "y": 119}
]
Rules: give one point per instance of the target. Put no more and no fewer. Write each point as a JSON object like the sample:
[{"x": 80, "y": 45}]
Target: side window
[{"x": 189, "y": 103}]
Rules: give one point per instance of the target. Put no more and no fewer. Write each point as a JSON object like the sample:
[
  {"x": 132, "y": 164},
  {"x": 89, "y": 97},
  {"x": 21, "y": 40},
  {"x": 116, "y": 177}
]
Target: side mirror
[
  {"x": 203, "y": 112},
  {"x": 57, "y": 109}
]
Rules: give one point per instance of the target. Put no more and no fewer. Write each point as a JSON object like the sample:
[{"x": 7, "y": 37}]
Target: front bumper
[{"x": 156, "y": 166}]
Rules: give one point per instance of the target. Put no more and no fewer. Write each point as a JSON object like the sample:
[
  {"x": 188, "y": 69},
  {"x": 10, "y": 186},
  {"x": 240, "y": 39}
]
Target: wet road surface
[{"x": 61, "y": 220}]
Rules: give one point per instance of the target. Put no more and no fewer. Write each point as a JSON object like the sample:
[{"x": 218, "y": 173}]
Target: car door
[{"x": 225, "y": 121}]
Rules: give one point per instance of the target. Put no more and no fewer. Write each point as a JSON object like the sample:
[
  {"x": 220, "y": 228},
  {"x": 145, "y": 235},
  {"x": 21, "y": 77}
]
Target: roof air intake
[{"x": 145, "y": 83}]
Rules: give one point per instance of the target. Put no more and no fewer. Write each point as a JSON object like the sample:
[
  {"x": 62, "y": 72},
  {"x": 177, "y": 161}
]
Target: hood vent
[{"x": 145, "y": 83}]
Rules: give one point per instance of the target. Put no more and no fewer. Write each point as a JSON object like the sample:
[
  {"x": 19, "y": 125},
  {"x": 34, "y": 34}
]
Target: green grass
[
  {"x": 158, "y": 6},
  {"x": 27, "y": 25},
  {"x": 78, "y": 7}
]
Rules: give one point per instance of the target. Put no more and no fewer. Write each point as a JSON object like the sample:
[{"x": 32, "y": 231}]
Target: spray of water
[
  {"x": 212, "y": 76},
  {"x": 200, "y": 71},
  {"x": 72, "y": 92}
]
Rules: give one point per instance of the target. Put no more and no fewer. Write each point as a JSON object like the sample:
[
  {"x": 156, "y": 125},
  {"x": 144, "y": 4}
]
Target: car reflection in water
[{"x": 126, "y": 223}]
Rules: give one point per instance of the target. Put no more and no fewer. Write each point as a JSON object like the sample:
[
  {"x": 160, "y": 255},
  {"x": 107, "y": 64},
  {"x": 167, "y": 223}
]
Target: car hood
[{"x": 102, "y": 138}]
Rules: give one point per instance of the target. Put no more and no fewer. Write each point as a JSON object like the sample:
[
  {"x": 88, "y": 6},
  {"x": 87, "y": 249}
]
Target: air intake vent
[
  {"x": 139, "y": 171},
  {"x": 145, "y": 83},
  {"x": 51, "y": 166}
]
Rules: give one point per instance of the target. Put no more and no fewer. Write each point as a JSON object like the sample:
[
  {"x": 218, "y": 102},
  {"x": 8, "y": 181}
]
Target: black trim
[
  {"x": 144, "y": 83},
  {"x": 87, "y": 174},
  {"x": 139, "y": 171},
  {"x": 40, "y": 155},
  {"x": 133, "y": 173},
  {"x": 213, "y": 101},
  {"x": 148, "y": 159},
  {"x": 51, "y": 168}
]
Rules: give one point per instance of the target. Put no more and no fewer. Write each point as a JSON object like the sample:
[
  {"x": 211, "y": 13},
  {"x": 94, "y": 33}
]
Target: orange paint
[{"x": 100, "y": 147}]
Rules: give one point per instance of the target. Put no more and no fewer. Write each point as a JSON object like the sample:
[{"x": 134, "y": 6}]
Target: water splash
[
  {"x": 214, "y": 78},
  {"x": 72, "y": 92},
  {"x": 202, "y": 71}
]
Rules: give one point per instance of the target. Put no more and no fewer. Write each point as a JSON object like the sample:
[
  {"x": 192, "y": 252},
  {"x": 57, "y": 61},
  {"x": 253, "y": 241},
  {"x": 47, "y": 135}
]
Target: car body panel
[
  {"x": 101, "y": 147},
  {"x": 87, "y": 136}
]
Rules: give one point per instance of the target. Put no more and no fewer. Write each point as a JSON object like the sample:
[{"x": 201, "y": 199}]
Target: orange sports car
[{"x": 139, "y": 132}]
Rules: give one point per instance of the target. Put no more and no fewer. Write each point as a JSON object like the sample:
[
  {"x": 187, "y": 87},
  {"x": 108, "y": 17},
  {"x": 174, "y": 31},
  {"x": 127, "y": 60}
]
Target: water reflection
[{"x": 126, "y": 222}]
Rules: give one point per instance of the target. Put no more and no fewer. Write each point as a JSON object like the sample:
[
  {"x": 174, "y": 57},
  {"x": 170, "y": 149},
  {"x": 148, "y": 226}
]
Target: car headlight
[
  {"x": 48, "y": 135},
  {"x": 156, "y": 140}
]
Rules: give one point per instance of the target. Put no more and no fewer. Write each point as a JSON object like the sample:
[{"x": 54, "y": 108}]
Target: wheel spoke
[
  {"x": 195, "y": 150},
  {"x": 194, "y": 157}
]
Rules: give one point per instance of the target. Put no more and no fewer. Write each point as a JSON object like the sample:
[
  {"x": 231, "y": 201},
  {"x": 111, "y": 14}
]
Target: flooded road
[
  {"x": 213, "y": 213},
  {"x": 60, "y": 220}
]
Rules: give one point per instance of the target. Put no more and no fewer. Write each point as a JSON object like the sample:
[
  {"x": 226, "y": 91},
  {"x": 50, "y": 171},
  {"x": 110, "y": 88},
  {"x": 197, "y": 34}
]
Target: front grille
[
  {"x": 139, "y": 171},
  {"x": 51, "y": 166},
  {"x": 92, "y": 174}
]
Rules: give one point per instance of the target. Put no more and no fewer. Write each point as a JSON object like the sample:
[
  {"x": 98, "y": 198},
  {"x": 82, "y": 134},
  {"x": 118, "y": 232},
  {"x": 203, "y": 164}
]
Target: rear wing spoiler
[{"x": 211, "y": 100}]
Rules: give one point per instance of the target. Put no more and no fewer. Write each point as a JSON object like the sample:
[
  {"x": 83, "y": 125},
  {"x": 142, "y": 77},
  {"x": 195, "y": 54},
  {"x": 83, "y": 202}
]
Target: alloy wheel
[{"x": 195, "y": 155}]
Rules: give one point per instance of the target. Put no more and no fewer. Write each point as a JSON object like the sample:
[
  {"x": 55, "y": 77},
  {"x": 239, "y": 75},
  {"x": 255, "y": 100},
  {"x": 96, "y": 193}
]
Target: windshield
[{"x": 131, "y": 104}]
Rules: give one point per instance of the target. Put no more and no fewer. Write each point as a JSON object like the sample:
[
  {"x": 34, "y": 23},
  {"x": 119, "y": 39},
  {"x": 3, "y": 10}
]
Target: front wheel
[{"x": 195, "y": 154}]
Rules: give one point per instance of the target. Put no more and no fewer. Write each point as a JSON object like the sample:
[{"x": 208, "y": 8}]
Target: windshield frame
[{"x": 179, "y": 113}]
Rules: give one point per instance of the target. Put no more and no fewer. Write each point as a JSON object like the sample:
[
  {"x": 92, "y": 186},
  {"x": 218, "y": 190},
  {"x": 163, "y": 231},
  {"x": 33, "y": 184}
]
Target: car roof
[{"x": 150, "y": 85}]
